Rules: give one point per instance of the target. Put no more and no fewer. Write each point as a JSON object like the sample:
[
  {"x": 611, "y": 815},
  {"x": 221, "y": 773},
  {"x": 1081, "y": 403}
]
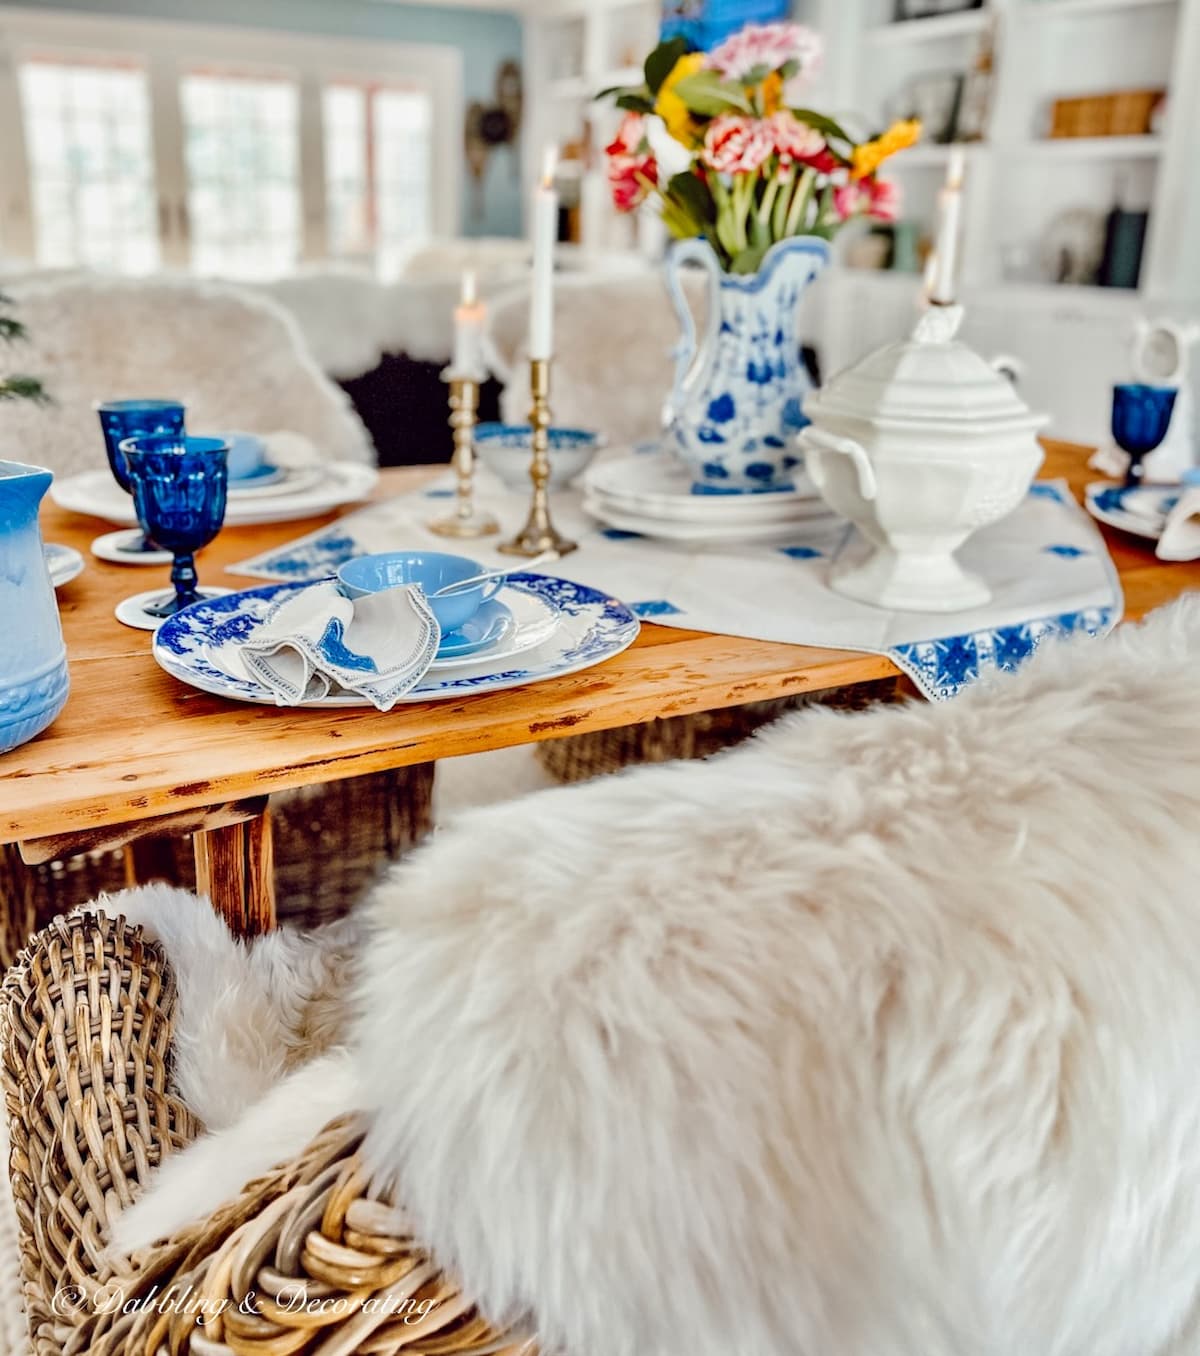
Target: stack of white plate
[
  {"x": 652, "y": 493},
  {"x": 283, "y": 496}
]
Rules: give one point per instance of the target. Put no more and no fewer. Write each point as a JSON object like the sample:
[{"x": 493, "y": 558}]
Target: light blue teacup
[
  {"x": 247, "y": 454},
  {"x": 432, "y": 570}
]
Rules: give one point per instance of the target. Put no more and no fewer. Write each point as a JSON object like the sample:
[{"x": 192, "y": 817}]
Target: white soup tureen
[{"x": 919, "y": 445}]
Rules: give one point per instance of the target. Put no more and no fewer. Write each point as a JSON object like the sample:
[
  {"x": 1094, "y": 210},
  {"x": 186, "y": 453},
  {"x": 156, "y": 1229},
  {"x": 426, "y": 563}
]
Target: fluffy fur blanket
[
  {"x": 877, "y": 1037},
  {"x": 237, "y": 361}
]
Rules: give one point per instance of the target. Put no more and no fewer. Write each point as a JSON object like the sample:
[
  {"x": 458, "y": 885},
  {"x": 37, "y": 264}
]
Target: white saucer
[
  {"x": 132, "y": 611},
  {"x": 108, "y": 547},
  {"x": 63, "y": 562}
]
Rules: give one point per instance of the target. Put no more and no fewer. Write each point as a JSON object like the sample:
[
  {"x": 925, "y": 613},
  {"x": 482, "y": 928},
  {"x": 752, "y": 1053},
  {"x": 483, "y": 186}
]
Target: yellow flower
[
  {"x": 867, "y": 158},
  {"x": 671, "y": 108},
  {"x": 772, "y": 94}
]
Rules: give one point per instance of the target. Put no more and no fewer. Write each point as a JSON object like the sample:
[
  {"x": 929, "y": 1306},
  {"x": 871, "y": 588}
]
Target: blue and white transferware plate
[
  {"x": 1141, "y": 511},
  {"x": 63, "y": 562},
  {"x": 531, "y": 620},
  {"x": 201, "y": 645}
]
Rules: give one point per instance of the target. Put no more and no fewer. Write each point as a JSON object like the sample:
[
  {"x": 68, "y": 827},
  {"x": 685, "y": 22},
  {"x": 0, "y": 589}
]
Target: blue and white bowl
[{"x": 504, "y": 450}]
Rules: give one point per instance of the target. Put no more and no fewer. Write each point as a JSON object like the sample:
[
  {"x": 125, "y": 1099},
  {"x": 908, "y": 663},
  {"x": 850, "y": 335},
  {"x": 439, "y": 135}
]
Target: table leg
[{"x": 235, "y": 869}]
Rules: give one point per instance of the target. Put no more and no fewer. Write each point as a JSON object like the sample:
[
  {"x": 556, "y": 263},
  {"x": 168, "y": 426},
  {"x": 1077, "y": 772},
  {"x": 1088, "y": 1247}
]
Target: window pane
[
  {"x": 347, "y": 187},
  {"x": 87, "y": 137},
  {"x": 403, "y": 130},
  {"x": 242, "y": 151}
]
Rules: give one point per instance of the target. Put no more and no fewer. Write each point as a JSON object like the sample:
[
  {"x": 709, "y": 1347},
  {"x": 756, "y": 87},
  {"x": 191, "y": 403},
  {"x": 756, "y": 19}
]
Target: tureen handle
[
  {"x": 697, "y": 251},
  {"x": 821, "y": 440}
]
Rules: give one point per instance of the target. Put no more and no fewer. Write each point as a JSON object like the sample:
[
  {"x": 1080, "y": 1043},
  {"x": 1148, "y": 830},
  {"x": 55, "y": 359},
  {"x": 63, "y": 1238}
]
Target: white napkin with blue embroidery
[{"x": 318, "y": 641}]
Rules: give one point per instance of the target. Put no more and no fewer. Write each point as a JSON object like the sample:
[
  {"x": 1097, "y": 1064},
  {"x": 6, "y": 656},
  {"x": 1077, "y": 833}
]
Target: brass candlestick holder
[
  {"x": 539, "y": 533},
  {"x": 466, "y": 520}
]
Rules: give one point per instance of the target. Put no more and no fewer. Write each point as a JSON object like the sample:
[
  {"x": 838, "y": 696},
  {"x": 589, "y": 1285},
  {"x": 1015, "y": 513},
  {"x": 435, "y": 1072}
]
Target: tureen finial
[{"x": 938, "y": 324}]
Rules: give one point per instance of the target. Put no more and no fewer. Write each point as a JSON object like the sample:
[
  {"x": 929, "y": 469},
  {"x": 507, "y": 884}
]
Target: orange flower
[
  {"x": 867, "y": 158},
  {"x": 772, "y": 93}
]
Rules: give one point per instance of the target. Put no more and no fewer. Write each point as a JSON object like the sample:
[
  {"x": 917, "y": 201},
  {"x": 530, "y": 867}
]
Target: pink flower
[
  {"x": 794, "y": 140},
  {"x": 630, "y": 135},
  {"x": 737, "y": 145},
  {"x": 878, "y": 198},
  {"x": 765, "y": 48},
  {"x": 632, "y": 167},
  {"x": 849, "y": 200},
  {"x": 884, "y": 195}
]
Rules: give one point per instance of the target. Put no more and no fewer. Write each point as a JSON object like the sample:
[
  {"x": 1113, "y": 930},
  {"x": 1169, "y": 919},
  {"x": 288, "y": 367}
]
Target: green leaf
[
  {"x": 23, "y": 388},
  {"x": 707, "y": 94},
  {"x": 826, "y": 126},
  {"x": 694, "y": 195},
  {"x": 634, "y": 102},
  {"x": 749, "y": 260},
  {"x": 661, "y": 62}
]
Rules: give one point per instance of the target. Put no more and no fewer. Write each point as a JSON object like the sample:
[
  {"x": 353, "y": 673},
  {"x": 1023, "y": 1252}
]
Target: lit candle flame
[{"x": 549, "y": 166}]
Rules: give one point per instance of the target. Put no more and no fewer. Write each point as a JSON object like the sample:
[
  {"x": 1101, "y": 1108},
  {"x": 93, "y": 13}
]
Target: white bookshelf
[{"x": 1073, "y": 340}]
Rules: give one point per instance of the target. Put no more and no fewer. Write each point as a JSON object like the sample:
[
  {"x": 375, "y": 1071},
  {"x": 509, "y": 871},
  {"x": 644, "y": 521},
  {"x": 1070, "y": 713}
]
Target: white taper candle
[{"x": 545, "y": 235}]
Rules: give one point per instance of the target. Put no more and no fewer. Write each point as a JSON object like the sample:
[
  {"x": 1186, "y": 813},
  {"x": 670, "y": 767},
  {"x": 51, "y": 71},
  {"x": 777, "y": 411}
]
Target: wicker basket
[
  {"x": 579, "y": 757},
  {"x": 305, "y": 1259},
  {"x": 1125, "y": 113},
  {"x": 331, "y": 842}
]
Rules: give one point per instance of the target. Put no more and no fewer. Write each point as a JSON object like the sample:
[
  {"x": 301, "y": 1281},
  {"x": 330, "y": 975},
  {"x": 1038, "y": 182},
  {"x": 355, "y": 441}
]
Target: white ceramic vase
[{"x": 919, "y": 445}]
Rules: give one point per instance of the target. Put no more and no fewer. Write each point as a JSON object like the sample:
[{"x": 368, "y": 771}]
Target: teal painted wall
[{"x": 485, "y": 38}]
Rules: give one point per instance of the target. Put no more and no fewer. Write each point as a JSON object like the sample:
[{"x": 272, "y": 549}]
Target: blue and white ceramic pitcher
[
  {"x": 33, "y": 658},
  {"x": 736, "y": 402}
]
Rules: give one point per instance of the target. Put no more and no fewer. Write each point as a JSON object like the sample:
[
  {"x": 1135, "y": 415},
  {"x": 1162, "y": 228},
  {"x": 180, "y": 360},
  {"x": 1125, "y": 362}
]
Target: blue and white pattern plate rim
[
  {"x": 1141, "y": 511},
  {"x": 200, "y": 646}
]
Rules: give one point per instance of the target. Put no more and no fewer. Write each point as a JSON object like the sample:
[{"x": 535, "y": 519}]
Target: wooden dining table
[{"x": 137, "y": 753}]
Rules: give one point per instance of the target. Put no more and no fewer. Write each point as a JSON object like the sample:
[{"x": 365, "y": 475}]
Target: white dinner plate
[
  {"x": 97, "y": 494},
  {"x": 201, "y": 645},
  {"x": 657, "y": 485},
  {"x": 284, "y": 481},
  {"x": 664, "y": 530}
]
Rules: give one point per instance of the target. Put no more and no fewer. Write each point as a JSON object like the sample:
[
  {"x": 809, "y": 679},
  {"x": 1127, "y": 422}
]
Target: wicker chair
[{"x": 308, "y": 1258}]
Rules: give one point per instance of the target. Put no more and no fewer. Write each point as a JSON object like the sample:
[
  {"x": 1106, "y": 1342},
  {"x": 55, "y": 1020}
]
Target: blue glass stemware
[
  {"x": 121, "y": 419},
  {"x": 179, "y": 486},
  {"x": 1141, "y": 416}
]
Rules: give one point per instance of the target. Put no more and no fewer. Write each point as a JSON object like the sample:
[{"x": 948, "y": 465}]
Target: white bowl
[{"x": 504, "y": 450}]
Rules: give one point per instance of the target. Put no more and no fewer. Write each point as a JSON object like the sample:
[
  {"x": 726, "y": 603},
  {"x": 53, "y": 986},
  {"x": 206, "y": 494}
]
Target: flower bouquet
[
  {"x": 753, "y": 185},
  {"x": 758, "y": 166}
]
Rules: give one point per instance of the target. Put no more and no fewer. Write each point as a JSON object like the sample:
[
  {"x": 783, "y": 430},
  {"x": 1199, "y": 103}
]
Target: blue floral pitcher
[
  {"x": 33, "y": 658},
  {"x": 736, "y": 402}
]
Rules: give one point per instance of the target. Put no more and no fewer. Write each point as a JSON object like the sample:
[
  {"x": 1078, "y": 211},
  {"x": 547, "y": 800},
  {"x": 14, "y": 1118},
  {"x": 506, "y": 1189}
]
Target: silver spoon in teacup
[{"x": 544, "y": 559}]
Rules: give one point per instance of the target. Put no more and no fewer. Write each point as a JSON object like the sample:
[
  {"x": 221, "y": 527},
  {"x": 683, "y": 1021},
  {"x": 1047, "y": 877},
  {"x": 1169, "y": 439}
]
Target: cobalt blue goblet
[
  {"x": 179, "y": 486},
  {"x": 121, "y": 419},
  {"x": 1141, "y": 416}
]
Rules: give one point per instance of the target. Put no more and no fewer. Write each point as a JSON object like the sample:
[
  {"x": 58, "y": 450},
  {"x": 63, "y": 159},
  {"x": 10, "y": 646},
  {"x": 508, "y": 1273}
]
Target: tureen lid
[{"x": 930, "y": 376}]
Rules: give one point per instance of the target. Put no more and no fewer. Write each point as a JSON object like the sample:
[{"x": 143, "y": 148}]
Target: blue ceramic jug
[
  {"x": 33, "y": 658},
  {"x": 735, "y": 408}
]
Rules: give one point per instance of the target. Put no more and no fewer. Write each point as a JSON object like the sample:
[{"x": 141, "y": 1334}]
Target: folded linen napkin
[{"x": 318, "y": 641}]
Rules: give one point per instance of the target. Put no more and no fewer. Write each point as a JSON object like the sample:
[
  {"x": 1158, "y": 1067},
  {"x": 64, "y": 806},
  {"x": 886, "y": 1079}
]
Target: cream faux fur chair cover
[
  {"x": 613, "y": 340},
  {"x": 875, "y": 1037},
  {"x": 235, "y": 359}
]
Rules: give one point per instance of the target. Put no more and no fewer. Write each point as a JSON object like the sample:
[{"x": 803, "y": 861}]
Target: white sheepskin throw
[
  {"x": 237, "y": 361},
  {"x": 878, "y": 1036}
]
